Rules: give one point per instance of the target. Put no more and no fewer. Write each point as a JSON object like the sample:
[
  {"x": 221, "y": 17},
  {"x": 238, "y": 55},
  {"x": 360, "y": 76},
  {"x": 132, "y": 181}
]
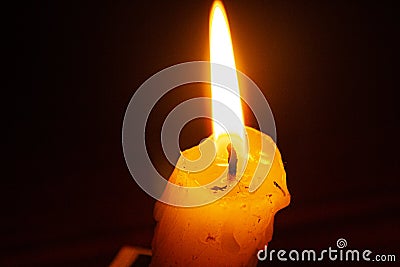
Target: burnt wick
[{"x": 232, "y": 160}]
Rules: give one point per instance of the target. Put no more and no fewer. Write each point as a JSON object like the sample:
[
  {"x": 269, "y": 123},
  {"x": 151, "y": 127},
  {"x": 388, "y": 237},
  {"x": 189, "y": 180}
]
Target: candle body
[{"x": 229, "y": 231}]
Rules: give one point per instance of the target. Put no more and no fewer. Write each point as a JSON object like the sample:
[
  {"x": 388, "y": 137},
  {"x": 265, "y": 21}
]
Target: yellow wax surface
[{"x": 230, "y": 230}]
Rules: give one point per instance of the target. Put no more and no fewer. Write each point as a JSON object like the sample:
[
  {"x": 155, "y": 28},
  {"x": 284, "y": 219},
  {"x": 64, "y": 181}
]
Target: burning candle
[{"x": 230, "y": 230}]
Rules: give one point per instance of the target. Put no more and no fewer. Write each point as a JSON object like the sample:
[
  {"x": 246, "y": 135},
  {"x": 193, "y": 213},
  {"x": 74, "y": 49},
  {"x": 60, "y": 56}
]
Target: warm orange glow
[{"x": 221, "y": 52}]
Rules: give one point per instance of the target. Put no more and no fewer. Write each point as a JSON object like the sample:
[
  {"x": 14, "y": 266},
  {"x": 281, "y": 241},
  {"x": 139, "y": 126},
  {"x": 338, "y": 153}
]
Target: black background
[{"x": 327, "y": 70}]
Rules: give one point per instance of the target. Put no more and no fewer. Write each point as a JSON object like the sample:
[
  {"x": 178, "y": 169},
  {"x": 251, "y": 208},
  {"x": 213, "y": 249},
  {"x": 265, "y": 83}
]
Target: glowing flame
[{"x": 221, "y": 52}]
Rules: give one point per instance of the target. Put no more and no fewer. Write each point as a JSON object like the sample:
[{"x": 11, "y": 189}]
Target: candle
[
  {"x": 245, "y": 175},
  {"x": 227, "y": 232}
]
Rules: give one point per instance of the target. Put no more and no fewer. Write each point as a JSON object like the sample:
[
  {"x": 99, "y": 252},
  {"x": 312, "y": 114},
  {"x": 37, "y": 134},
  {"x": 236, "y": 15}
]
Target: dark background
[{"x": 327, "y": 70}]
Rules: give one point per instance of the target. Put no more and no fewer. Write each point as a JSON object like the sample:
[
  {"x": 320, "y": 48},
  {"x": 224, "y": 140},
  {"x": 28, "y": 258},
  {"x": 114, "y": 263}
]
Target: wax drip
[{"x": 280, "y": 188}]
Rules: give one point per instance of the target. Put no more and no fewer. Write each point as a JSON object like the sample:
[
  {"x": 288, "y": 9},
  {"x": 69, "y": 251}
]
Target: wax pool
[{"x": 229, "y": 231}]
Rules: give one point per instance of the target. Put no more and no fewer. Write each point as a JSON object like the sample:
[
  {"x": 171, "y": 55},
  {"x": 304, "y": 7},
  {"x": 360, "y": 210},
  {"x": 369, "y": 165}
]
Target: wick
[{"x": 232, "y": 160}]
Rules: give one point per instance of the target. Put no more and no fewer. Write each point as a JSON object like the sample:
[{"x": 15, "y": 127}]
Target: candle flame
[{"x": 221, "y": 52}]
